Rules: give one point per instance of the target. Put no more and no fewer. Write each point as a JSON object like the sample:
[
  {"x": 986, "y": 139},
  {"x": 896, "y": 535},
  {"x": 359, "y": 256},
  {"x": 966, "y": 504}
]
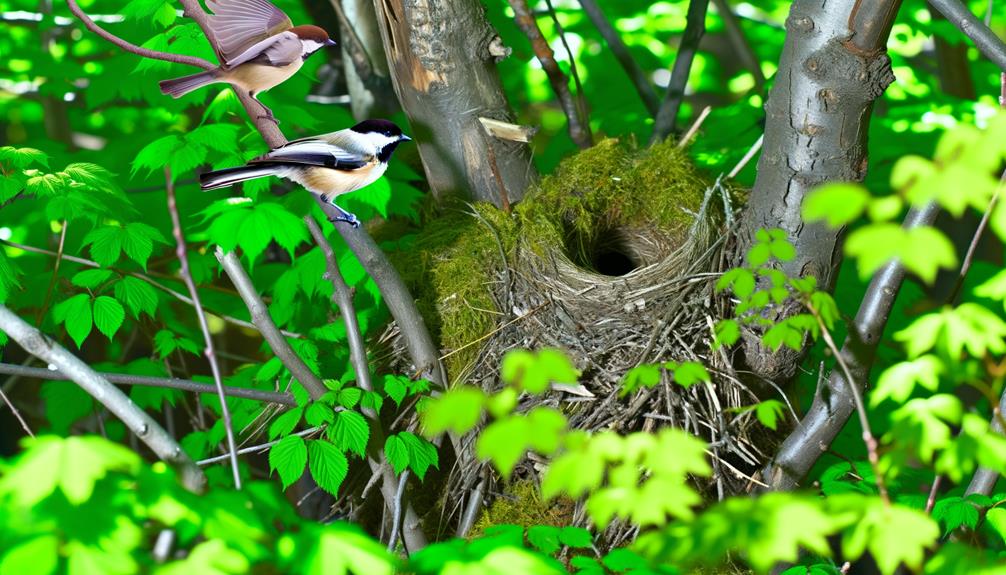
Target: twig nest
[{"x": 614, "y": 259}]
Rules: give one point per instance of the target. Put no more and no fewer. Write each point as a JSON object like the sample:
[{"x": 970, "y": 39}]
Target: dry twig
[
  {"x": 695, "y": 28},
  {"x": 183, "y": 258}
]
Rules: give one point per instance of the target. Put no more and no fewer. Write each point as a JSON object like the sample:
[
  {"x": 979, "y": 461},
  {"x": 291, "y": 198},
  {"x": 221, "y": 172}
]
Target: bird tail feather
[
  {"x": 178, "y": 87},
  {"x": 231, "y": 176}
]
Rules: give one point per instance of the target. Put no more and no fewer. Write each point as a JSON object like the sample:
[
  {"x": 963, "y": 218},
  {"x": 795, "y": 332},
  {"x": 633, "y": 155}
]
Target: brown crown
[{"x": 309, "y": 32}]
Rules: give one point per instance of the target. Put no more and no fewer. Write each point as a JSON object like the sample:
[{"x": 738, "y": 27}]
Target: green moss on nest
[
  {"x": 523, "y": 505},
  {"x": 450, "y": 267},
  {"x": 454, "y": 259},
  {"x": 611, "y": 185}
]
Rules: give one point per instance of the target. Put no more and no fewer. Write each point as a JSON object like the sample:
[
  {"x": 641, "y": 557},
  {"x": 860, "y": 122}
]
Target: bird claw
[{"x": 347, "y": 217}]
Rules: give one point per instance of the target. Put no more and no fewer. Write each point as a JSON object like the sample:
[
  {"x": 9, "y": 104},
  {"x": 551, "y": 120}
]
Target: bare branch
[
  {"x": 579, "y": 125},
  {"x": 833, "y": 406},
  {"x": 353, "y": 44},
  {"x": 857, "y": 398},
  {"x": 396, "y": 515},
  {"x": 741, "y": 45},
  {"x": 139, "y": 422},
  {"x": 17, "y": 414},
  {"x": 695, "y": 28},
  {"x": 148, "y": 381},
  {"x": 412, "y": 535},
  {"x": 990, "y": 45},
  {"x": 621, "y": 52},
  {"x": 255, "y": 448},
  {"x": 183, "y": 258},
  {"x": 133, "y": 48},
  {"x": 261, "y": 318}
]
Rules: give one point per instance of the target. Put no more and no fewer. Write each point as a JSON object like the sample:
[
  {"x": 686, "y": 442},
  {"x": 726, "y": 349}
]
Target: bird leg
[
  {"x": 268, "y": 113},
  {"x": 343, "y": 216}
]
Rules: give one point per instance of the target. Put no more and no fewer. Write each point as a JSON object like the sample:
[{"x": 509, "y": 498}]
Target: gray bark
[
  {"x": 442, "y": 56},
  {"x": 833, "y": 66}
]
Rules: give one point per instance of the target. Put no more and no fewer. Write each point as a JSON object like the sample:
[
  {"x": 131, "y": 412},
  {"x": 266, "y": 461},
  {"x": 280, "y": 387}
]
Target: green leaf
[
  {"x": 422, "y": 453},
  {"x": 318, "y": 414},
  {"x": 38, "y": 556},
  {"x": 533, "y": 372},
  {"x": 996, "y": 517},
  {"x": 91, "y": 279},
  {"x": 288, "y": 458},
  {"x": 285, "y": 423},
  {"x": 544, "y": 538},
  {"x": 646, "y": 375},
  {"x": 689, "y": 373},
  {"x": 397, "y": 453},
  {"x": 576, "y": 537},
  {"x": 138, "y": 296},
  {"x": 328, "y": 465},
  {"x": 727, "y": 332},
  {"x": 350, "y": 432},
  {"x": 874, "y": 245},
  {"x": 108, "y": 315},
  {"x": 45, "y": 185},
  {"x": 899, "y": 381},
  {"x": 76, "y": 314},
  {"x": 838, "y": 204},
  {"x": 927, "y": 250},
  {"x": 892, "y": 534},
  {"x": 395, "y": 388},
  {"x": 458, "y": 409},
  {"x": 21, "y": 158},
  {"x": 768, "y": 412},
  {"x": 73, "y": 465},
  {"x": 954, "y": 512},
  {"x": 349, "y": 397},
  {"x": 740, "y": 280},
  {"x": 138, "y": 241},
  {"x": 156, "y": 154},
  {"x": 106, "y": 244}
]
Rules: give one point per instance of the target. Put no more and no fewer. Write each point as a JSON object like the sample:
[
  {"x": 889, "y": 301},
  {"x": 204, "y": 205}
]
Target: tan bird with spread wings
[{"x": 258, "y": 47}]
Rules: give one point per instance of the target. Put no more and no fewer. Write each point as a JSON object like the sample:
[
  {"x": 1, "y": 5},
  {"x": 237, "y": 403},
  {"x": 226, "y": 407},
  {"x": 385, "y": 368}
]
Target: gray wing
[
  {"x": 317, "y": 151},
  {"x": 279, "y": 50},
  {"x": 237, "y": 25}
]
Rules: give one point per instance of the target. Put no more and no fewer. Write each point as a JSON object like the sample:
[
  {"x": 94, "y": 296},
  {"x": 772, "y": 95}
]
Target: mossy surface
[
  {"x": 523, "y": 505},
  {"x": 452, "y": 262}
]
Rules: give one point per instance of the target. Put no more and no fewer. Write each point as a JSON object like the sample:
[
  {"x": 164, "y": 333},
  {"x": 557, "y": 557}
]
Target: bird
[
  {"x": 328, "y": 165},
  {"x": 258, "y": 47}
]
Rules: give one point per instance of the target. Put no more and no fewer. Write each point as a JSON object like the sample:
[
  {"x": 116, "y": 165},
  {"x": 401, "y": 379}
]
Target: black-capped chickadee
[
  {"x": 329, "y": 165},
  {"x": 258, "y": 46}
]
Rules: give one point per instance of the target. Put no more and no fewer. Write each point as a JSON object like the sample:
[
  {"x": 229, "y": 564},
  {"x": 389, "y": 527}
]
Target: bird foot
[{"x": 347, "y": 217}]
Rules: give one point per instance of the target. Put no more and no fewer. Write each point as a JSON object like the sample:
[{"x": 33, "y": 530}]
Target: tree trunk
[
  {"x": 833, "y": 66},
  {"x": 365, "y": 101},
  {"x": 442, "y": 55}
]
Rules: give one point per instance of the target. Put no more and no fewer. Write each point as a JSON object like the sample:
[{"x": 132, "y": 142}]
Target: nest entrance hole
[{"x": 611, "y": 252}]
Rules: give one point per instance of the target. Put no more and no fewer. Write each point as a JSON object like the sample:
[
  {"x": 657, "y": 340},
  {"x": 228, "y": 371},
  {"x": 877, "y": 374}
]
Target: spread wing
[
  {"x": 237, "y": 25},
  {"x": 317, "y": 152},
  {"x": 279, "y": 50}
]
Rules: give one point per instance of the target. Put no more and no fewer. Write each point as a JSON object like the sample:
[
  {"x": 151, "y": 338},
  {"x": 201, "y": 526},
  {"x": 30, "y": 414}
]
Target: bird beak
[
  {"x": 405, "y": 138},
  {"x": 330, "y": 42}
]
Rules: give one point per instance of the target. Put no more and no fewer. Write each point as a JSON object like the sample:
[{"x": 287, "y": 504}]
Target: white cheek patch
[{"x": 310, "y": 46}]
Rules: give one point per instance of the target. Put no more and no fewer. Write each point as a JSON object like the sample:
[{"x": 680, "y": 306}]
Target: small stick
[
  {"x": 695, "y": 28},
  {"x": 695, "y": 127},
  {"x": 260, "y": 317},
  {"x": 183, "y": 258},
  {"x": 16, "y": 413},
  {"x": 148, "y": 381},
  {"x": 133, "y": 48},
  {"x": 396, "y": 516},
  {"x": 579, "y": 128},
  {"x": 255, "y": 448},
  {"x": 747, "y": 157}
]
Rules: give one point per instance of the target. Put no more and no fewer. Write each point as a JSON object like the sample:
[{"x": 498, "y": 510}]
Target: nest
[{"x": 613, "y": 259}]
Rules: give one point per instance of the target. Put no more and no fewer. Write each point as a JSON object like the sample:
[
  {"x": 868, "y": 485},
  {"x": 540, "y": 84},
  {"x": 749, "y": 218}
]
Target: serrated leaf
[
  {"x": 156, "y": 154},
  {"x": 397, "y": 453},
  {"x": 285, "y": 423},
  {"x": 395, "y": 388},
  {"x": 75, "y": 313},
  {"x": 350, "y": 396},
  {"x": 288, "y": 458},
  {"x": 318, "y": 414},
  {"x": 544, "y": 538},
  {"x": 458, "y": 409},
  {"x": 138, "y": 295},
  {"x": 108, "y": 315},
  {"x": 328, "y": 465},
  {"x": 106, "y": 244},
  {"x": 838, "y": 204},
  {"x": 90, "y": 279},
  {"x": 350, "y": 432},
  {"x": 422, "y": 453}
]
